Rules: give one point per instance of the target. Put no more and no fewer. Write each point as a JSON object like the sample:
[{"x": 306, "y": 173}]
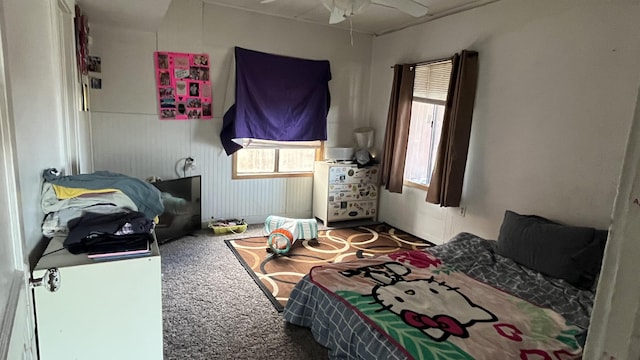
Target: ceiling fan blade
[
  {"x": 266, "y": 1},
  {"x": 337, "y": 15},
  {"x": 410, "y": 7}
]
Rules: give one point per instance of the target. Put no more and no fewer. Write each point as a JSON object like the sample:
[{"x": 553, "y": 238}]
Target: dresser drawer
[
  {"x": 345, "y": 210},
  {"x": 353, "y": 175},
  {"x": 344, "y": 192},
  {"x": 350, "y": 192}
]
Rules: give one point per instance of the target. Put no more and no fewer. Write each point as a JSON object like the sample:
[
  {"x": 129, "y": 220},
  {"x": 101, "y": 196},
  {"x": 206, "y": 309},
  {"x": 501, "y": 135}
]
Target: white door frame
[
  {"x": 17, "y": 329},
  {"x": 68, "y": 98},
  {"x": 614, "y": 332}
]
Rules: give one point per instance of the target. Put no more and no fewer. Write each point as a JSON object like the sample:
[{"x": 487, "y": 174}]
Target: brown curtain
[
  {"x": 397, "y": 130},
  {"x": 448, "y": 175}
]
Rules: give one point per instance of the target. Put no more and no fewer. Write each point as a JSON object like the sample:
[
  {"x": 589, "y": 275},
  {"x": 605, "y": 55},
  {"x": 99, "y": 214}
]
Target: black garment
[
  {"x": 92, "y": 228},
  {"x": 109, "y": 243}
]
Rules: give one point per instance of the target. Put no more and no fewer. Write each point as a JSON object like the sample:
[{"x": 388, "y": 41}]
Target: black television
[{"x": 182, "y": 210}]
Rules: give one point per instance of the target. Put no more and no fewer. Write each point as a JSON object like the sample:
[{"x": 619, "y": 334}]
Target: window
[
  {"x": 275, "y": 159},
  {"x": 430, "y": 88}
]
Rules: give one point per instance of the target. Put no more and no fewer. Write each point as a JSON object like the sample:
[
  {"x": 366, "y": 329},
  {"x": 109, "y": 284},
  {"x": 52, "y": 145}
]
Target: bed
[{"x": 528, "y": 295}]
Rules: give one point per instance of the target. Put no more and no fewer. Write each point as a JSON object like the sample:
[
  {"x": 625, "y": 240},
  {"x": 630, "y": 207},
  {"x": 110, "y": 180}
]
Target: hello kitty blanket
[{"x": 432, "y": 311}]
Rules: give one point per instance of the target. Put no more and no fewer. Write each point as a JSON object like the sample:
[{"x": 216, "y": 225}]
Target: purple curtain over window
[{"x": 277, "y": 98}]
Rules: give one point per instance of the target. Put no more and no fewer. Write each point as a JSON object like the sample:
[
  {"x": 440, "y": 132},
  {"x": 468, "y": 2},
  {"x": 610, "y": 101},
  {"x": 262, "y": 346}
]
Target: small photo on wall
[
  {"x": 193, "y": 73},
  {"x": 96, "y": 83},
  {"x": 181, "y": 73},
  {"x": 165, "y": 79},
  {"x": 200, "y": 60},
  {"x": 163, "y": 61},
  {"x": 203, "y": 73},
  {"x": 206, "y": 109},
  {"x": 93, "y": 64},
  {"x": 182, "y": 108},
  {"x": 205, "y": 90},
  {"x": 194, "y": 89},
  {"x": 181, "y": 61},
  {"x": 181, "y": 88},
  {"x": 194, "y": 103},
  {"x": 168, "y": 103},
  {"x": 199, "y": 73},
  {"x": 194, "y": 114},
  {"x": 168, "y": 114},
  {"x": 166, "y": 92}
]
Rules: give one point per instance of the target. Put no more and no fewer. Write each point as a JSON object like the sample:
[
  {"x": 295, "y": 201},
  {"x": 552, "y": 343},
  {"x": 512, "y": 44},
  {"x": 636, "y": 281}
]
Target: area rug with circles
[{"x": 278, "y": 274}]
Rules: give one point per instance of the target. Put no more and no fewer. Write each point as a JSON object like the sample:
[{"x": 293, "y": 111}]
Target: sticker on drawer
[
  {"x": 366, "y": 191},
  {"x": 352, "y": 192},
  {"x": 339, "y": 210},
  {"x": 343, "y": 196},
  {"x": 342, "y": 187},
  {"x": 352, "y": 175}
]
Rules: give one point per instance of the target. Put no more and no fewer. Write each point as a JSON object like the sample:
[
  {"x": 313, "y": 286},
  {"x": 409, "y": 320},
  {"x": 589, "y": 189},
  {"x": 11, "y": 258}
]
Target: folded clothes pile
[{"x": 98, "y": 210}]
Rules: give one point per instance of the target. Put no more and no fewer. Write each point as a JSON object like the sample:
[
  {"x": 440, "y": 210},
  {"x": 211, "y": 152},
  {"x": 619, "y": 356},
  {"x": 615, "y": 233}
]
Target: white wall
[
  {"x": 555, "y": 99},
  {"x": 129, "y": 138},
  {"x": 36, "y": 108}
]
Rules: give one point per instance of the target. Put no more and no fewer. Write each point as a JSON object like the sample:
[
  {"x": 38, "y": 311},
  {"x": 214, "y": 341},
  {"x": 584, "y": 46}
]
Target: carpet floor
[
  {"x": 212, "y": 309},
  {"x": 277, "y": 275}
]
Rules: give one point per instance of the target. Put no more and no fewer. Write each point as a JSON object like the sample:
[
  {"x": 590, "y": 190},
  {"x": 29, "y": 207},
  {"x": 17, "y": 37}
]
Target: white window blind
[
  {"x": 432, "y": 81},
  {"x": 271, "y": 144}
]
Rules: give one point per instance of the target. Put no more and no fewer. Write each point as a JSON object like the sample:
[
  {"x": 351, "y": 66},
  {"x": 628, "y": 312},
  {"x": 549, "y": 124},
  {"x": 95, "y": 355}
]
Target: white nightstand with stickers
[{"x": 343, "y": 191}]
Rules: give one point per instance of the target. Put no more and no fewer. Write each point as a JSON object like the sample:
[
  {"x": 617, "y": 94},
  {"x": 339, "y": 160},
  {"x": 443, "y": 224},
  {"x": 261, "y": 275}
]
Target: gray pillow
[
  {"x": 589, "y": 260},
  {"x": 543, "y": 245}
]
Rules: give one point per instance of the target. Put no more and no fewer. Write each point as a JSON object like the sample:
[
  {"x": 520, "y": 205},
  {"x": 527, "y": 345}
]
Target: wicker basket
[{"x": 228, "y": 226}]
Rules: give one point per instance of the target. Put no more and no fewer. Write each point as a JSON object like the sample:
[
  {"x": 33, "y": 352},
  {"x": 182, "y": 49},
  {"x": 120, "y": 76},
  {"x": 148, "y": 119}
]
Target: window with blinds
[
  {"x": 430, "y": 88},
  {"x": 431, "y": 81}
]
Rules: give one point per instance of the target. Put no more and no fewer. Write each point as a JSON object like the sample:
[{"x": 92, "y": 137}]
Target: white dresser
[
  {"x": 344, "y": 192},
  {"x": 102, "y": 309}
]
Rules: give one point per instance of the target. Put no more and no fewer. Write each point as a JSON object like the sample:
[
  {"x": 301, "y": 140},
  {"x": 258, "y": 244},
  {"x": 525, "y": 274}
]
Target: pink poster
[{"x": 183, "y": 86}]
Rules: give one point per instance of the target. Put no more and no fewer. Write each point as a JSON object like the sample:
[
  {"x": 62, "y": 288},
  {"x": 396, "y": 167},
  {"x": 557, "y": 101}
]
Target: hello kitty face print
[{"x": 420, "y": 303}]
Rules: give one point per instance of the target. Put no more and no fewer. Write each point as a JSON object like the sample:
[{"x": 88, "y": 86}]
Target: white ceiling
[
  {"x": 374, "y": 19},
  {"x": 136, "y": 14}
]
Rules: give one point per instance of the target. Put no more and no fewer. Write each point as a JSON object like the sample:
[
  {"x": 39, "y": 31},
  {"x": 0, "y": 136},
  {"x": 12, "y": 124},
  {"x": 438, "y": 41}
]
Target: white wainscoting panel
[
  {"x": 142, "y": 146},
  {"x": 139, "y": 145},
  {"x": 299, "y": 197}
]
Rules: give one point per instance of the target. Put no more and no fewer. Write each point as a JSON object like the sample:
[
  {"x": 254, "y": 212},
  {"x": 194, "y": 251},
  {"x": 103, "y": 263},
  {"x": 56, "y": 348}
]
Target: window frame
[
  {"x": 276, "y": 174},
  {"x": 406, "y": 182}
]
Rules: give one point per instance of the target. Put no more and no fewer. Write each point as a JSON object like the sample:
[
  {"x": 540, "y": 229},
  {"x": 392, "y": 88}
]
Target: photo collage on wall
[{"x": 183, "y": 86}]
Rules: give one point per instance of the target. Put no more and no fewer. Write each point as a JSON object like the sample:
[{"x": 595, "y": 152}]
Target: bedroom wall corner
[
  {"x": 543, "y": 141},
  {"x": 132, "y": 140}
]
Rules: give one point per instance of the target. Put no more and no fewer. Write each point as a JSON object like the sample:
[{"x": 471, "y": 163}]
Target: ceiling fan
[{"x": 342, "y": 9}]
